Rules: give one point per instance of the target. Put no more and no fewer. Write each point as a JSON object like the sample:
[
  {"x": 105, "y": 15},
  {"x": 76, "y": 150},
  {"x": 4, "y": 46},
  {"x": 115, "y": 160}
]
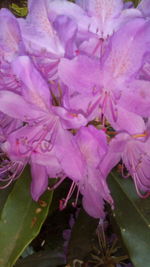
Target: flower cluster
[{"x": 75, "y": 96}]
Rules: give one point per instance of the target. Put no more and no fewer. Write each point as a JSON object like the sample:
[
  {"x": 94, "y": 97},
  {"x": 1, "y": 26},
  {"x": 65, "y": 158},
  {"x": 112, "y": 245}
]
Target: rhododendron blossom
[{"x": 75, "y": 97}]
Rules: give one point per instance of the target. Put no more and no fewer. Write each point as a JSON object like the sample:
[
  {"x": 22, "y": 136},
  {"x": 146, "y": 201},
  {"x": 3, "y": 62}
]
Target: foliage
[
  {"x": 21, "y": 220},
  {"x": 132, "y": 215},
  {"x": 19, "y": 11}
]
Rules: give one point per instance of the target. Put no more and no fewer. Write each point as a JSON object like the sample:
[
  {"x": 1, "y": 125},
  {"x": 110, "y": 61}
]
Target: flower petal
[
  {"x": 113, "y": 156},
  {"x": 39, "y": 181},
  {"x": 134, "y": 125},
  {"x": 59, "y": 7},
  {"x": 66, "y": 29},
  {"x": 124, "y": 61},
  {"x": 92, "y": 143},
  {"x": 16, "y": 107},
  {"x": 77, "y": 74},
  {"x": 144, "y": 7},
  {"x": 10, "y": 36},
  {"x": 104, "y": 12},
  {"x": 69, "y": 155},
  {"x": 36, "y": 90},
  {"x": 38, "y": 32},
  {"x": 136, "y": 98},
  {"x": 70, "y": 119},
  {"x": 93, "y": 203}
]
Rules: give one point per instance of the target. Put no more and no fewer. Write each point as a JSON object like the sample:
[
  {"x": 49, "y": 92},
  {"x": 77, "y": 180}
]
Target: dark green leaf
[
  {"x": 81, "y": 236},
  {"x": 21, "y": 220},
  {"x": 132, "y": 215},
  {"x": 4, "y": 193},
  {"x": 43, "y": 259}
]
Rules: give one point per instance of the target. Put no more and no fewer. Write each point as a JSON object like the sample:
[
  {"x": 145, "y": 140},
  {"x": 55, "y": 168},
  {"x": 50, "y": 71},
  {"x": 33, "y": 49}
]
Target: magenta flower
[
  {"x": 107, "y": 16},
  {"x": 144, "y": 7},
  {"x": 49, "y": 34},
  {"x": 111, "y": 89},
  {"x": 63, "y": 69},
  {"x": 92, "y": 185},
  {"x": 93, "y": 146},
  {"x": 133, "y": 150},
  {"x": 11, "y": 46},
  {"x": 43, "y": 140},
  {"x": 10, "y": 37}
]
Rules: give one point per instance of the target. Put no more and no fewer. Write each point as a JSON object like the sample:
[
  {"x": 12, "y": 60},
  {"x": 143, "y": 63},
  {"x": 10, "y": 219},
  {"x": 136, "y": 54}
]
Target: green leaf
[
  {"x": 21, "y": 220},
  {"x": 18, "y": 11},
  {"x": 132, "y": 215},
  {"x": 82, "y": 233},
  {"x": 43, "y": 259},
  {"x": 4, "y": 193}
]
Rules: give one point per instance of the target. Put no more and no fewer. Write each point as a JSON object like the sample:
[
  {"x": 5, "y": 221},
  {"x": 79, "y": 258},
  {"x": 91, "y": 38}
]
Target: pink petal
[
  {"x": 70, "y": 119},
  {"x": 10, "y": 36},
  {"x": 38, "y": 32},
  {"x": 16, "y": 107},
  {"x": 126, "y": 121},
  {"x": 77, "y": 74},
  {"x": 39, "y": 181},
  {"x": 67, "y": 30},
  {"x": 36, "y": 90},
  {"x": 93, "y": 203},
  {"x": 92, "y": 143},
  {"x": 105, "y": 12},
  {"x": 144, "y": 7},
  {"x": 59, "y": 7},
  {"x": 124, "y": 61},
  {"x": 136, "y": 98},
  {"x": 69, "y": 155}
]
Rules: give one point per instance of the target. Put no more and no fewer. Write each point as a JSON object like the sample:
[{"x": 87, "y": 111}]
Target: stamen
[
  {"x": 6, "y": 185},
  {"x": 93, "y": 106},
  {"x": 74, "y": 204},
  {"x": 105, "y": 100},
  {"x": 139, "y": 135},
  {"x": 103, "y": 107},
  {"x": 98, "y": 45},
  {"x": 77, "y": 52},
  {"x": 63, "y": 202},
  {"x": 56, "y": 184},
  {"x": 111, "y": 133},
  {"x": 40, "y": 141},
  {"x": 137, "y": 179},
  {"x": 9, "y": 171},
  {"x": 114, "y": 111},
  {"x": 137, "y": 189},
  {"x": 60, "y": 90},
  {"x": 122, "y": 172}
]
